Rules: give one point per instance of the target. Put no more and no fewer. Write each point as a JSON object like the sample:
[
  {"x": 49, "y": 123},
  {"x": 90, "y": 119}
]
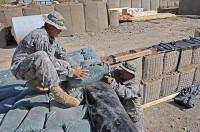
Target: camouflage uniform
[
  {"x": 39, "y": 56},
  {"x": 129, "y": 93}
]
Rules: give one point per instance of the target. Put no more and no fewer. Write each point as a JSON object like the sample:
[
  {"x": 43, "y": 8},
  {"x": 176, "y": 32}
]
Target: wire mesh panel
[
  {"x": 152, "y": 66},
  {"x": 152, "y": 90},
  {"x": 170, "y": 61},
  {"x": 138, "y": 63},
  {"x": 169, "y": 84},
  {"x": 185, "y": 58},
  {"x": 186, "y": 78},
  {"x": 196, "y": 55}
]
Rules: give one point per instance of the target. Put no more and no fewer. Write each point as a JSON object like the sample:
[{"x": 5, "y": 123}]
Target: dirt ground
[{"x": 164, "y": 117}]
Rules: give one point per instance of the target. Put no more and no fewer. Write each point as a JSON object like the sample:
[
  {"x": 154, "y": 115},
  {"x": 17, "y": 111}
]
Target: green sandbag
[
  {"x": 96, "y": 73},
  {"x": 77, "y": 56},
  {"x": 90, "y": 62}
]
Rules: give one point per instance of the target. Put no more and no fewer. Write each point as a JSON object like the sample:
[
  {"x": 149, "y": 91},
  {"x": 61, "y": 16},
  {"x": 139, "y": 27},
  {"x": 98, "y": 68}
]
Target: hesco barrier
[
  {"x": 96, "y": 16},
  {"x": 185, "y": 58},
  {"x": 169, "y": 84},
  {"x": 196, "y": 80},
  {"x": 170, "y": 61},
  {"x": 151, "y": 90},
  {"x": 7, "y": 14},
  {"x": 28, "y": 11},
  {"x": 136, "y": 3},
  {"x": 146, "y": 4},
  {"x": 113, "y": 3},
  {"x": 186, "y": 78},
  {"x": 189, "y": 7},
  {"x": 154, "y": 5},
  {"x": 152, "y": 66},
  {"x": 125, "y": 3},
  {"x": 138, "y": 63},
  {"x": 74, "y": 18},
  {"x": 196, "y": 55}
]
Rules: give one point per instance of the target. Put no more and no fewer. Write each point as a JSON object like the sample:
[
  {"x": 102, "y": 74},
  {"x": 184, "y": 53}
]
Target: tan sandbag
[
  {"x": 125, "y": 3},
  {"x": 136, "y": 3},
  {"x": 6, "y": 15},
  {"x": 146, "y": 5},
  {"x": 74, "y": 18},
  {"x": 96, "y": 17},
  {"x": 113, "y": 3}
]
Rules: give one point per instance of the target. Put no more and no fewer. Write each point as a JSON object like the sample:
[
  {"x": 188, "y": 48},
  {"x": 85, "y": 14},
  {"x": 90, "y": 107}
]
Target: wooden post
[{"x": 114, "y": 21}]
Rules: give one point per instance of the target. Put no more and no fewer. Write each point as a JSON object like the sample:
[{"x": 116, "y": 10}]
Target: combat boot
[
  {"x": 34, "y": 83},
  {"x": 63, "y": 98}
]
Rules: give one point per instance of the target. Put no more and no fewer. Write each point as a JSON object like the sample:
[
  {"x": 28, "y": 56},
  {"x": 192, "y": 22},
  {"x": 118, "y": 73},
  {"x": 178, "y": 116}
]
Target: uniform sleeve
[
  {"x": 42, "y": 44},
  {"x": 64, "y": 56},
  {"x": 128, "y": 91}
]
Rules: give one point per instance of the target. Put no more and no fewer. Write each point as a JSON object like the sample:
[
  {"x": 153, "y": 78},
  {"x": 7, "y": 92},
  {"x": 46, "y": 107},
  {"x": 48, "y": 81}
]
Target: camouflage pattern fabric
[
  {"x": 129, "y": 93},
  {"x": 39, "y": 56}
]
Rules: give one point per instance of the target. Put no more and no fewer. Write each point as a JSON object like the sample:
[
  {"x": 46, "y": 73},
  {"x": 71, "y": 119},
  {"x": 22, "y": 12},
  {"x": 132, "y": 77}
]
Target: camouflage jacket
[
  {"x": 39, "y": 40},
  {"x": 125, "y": 89}
]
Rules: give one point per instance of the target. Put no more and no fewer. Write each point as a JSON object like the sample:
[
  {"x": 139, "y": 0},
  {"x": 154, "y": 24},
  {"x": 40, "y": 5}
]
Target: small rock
[{"x": 184, "y": 128}]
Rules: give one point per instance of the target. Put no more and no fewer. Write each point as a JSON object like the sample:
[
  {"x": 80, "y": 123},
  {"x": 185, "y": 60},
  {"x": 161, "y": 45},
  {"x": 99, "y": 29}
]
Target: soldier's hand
[
  {"x": 80, "y": 73},
  {"x": 108, "y": 79}
]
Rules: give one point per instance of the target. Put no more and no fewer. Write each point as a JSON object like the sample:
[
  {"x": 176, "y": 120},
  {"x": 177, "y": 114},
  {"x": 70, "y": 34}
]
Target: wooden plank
[
  {"x": 153, "y": 17},
  {"x": 159, "y": 101},
  {"x": 132, "y": 56}
]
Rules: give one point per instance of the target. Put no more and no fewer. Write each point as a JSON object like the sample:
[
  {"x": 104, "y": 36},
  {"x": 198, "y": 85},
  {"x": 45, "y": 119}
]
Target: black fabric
[
  {"x": 105, "y": 110},
  {"x": 187, "y": 96},
  {"x": 180, "y": 44}
]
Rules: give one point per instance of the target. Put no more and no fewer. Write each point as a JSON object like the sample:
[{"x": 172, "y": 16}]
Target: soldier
[
  {"x": 41, "y": 60},
  {"x": 128, "y": 89}
]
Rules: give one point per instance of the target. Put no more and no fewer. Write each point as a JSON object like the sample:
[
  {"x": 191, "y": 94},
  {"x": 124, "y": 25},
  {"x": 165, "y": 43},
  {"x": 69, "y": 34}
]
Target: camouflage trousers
[
  {"x": 38, "y": 65},
  {"x": 135, "y": 112}
]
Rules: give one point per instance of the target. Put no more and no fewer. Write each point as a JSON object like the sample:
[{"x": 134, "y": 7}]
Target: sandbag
[
  {"x": 77, "y": 56},
  {"x": 90, "y": 62},
  {"x": 34, "y": 120},
  {"x": 96, "y": 17},
  {"x": 6, "y": 104},
  {"x": 13, "y": 118},
  {"x": 10, "y": 91},
  {"x": 7, "y": 79},
  {"x": 73, "y": 119},
  {"x": 96, "y": 73},
  {"x": 74, "y": 18}
]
